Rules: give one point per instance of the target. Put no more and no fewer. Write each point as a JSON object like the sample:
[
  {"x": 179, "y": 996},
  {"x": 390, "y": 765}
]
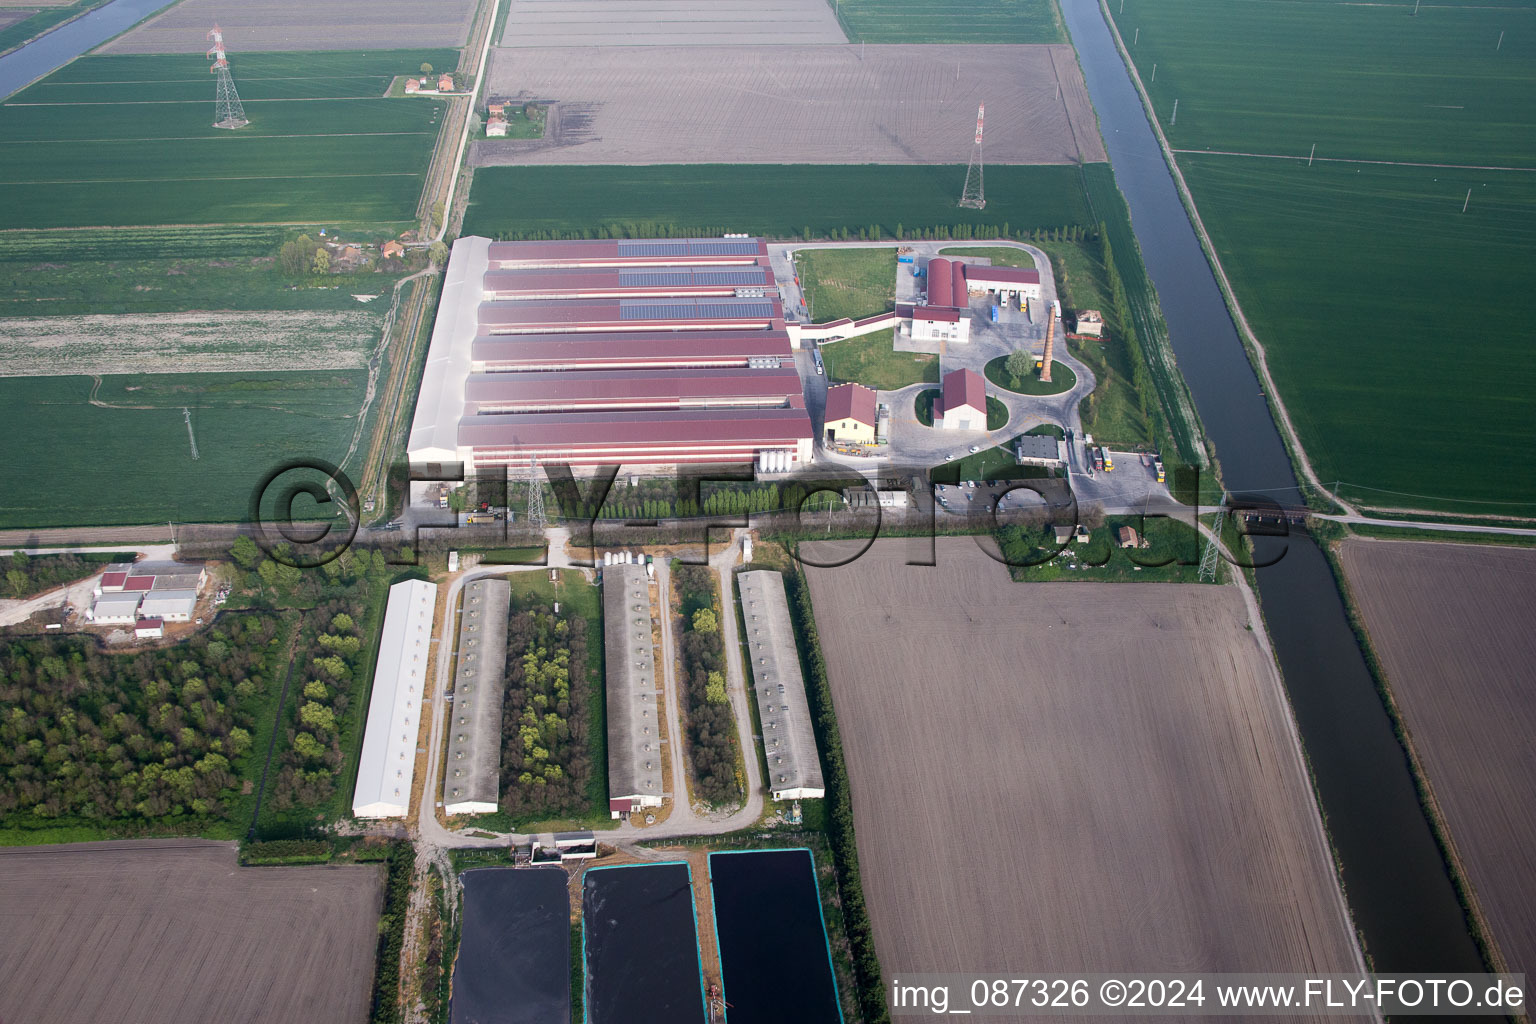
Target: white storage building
[{"x": 388, "y": 759}]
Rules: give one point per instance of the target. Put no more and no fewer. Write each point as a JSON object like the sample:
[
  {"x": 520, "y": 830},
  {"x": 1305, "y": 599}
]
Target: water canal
[
  {"x": 52, "y": 50},
  {"x": 1400, "y": 892}
]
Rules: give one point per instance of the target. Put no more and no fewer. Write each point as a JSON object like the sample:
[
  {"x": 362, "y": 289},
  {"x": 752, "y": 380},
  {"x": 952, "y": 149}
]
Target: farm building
[
  {"x": 652, "y": 354},
  {"x": 1090, "y": 322},
  {"x": 388, "y": 759},
  {"x": 170, "y": 605},
  {"x": 149, "y": 629},
  {"x": 413, "y": 85},
  {"x": 114, "y": 609},
  {"x": 634, "y": 743},
  {"x": 934, "y": 323},
  {"x": 472, "y": 775},
  {"x": 964, "y": 402},
  {"x": 1038, "y": 450},
  {"x": 496, "y": 128},
  {"x": 789, "y": 744},
  {"x": 445, "y": 83},
  {"x": 1003, "y": 282},
  {"x": 1127, "y": 537},
  {"x": 851, "y": 414}
]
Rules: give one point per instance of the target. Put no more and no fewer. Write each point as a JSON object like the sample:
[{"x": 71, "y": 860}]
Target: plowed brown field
[
  {"x": 1451, "y": 624},
  {"x": 1084, "y": 777},
  {"x": 172, "y": 931}
]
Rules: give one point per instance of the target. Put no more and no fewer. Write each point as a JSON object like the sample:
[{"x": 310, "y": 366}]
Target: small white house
[
  {"x": 930, "y": 323},
  {"x": 149, "y": 629},
  {"x": 965, "y": 402}
]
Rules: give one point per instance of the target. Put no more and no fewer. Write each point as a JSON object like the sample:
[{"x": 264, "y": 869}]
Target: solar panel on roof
[
  {"x": 651, "y": 278},
  {"x": 683, "y": 309},
  {"x": 653, "y": 248}
]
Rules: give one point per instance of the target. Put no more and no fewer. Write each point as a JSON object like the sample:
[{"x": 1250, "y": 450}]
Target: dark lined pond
[
  {"x": 773, "y": 945},
  {"x": 514, "y": 964},
  {"x": 641, "y": 945}
]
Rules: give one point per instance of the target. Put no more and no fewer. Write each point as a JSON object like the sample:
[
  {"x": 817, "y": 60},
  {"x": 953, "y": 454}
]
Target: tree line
[
  {"x": 711, "y": 732},
  {"x": 26, "y": 575},
  {"x": 546, "y": 760}
]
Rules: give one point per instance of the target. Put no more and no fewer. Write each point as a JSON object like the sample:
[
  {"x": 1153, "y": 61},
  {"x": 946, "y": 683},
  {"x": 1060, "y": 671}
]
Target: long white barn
[{"x": 388, "y": 759}]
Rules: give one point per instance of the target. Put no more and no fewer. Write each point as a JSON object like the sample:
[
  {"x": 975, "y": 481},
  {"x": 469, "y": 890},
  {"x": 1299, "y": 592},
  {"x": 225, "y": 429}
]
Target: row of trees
[
  {"x": 546, "y": 760},
  {"x": 711, "y": 731},
  {"x": 320, "y": 692},
  {"x": 132, "y": 739}
]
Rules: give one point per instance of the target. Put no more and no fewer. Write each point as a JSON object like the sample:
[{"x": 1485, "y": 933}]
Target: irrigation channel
[
  {"x": 52, "y": 50},
  {"x": 1400, "y": 891}
]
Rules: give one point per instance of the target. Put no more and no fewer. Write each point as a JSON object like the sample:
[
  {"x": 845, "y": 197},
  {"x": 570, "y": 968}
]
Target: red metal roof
[
  {"x": 686, "y": 280},
  {"x": 944, "y": 316},
  {"x": 940, "y": 282},
  {"x": 1004, "y": 275},
  {"x": 630, "y": 251},
  {"x": 491, "y": 392},
  {"x": 139, "y": 583},
  {"x": 637, "y": 348},
  {"x": 155, "y": 623},
  {"x": 851, "y": 402},
  {"x": 959, "y": 295},
  {"x": 113, "y": 579},
  {"x": 965, "y": 387},
  {"x": 619, "y": 430},
  {"x": 620, "y": 313}
]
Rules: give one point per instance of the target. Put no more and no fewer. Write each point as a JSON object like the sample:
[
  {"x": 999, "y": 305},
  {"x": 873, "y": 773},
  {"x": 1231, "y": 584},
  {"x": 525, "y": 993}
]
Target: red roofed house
[
  {"x": 964, "y": 402},
  {"x": 413, "y": 85},
  {"x": 445, "y": 83},
  {"x": 391, "y": 249},
  {"x": 496, "y": 108},
  {"x": 850, "y": 414},
  {"x": 496, "y": 127}
]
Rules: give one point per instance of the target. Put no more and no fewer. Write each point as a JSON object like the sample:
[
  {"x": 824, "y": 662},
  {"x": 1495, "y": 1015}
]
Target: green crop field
[
  {"x": 780, "y": 201},
  {"x": 126, "y": 140},
  {"x": 951, "y": 21},
  {"x": 128, "y": 460},
  {"x": 1362, "y": 81},
  {"x": 1394, "y": 322}
]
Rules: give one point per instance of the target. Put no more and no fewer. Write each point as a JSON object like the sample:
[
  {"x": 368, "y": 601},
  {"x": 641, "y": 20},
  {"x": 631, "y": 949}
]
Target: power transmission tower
[
  {"x": 1212, "y": 555},
  {"x": 191, "y": 437},
  {"x": 227, "y": 110},
  {"x": 974, "y": 195},
  {"x": 536, "y": 514}
]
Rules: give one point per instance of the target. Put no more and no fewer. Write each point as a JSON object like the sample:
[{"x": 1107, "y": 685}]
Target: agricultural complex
[
  {"x": 568, "y": 683},
  {"x": 1448, "y": 622},
  {"x": 1146, "y": 710}
]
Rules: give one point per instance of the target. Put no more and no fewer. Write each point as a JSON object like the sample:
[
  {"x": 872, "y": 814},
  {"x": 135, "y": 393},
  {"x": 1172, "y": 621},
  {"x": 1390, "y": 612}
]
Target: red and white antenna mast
[
  {"x": 227, "y": 109},
  {"x": 974, "y": 195}
]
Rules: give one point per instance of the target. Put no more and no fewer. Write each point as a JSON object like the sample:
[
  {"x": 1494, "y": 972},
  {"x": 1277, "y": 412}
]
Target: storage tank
[{"x": 607, "y": 557}]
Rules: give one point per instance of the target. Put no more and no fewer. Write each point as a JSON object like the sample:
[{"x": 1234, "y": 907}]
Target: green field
[
  {"x": 75, "y": 463},
  {"x": 779, "y": 201},
  {"x": 1362, "y": 81},
  {"x": 871, "y": 360},
  {"x": 1365, "y": 281},
  {"x": 853, "y": 283},
  {"x": 1062, "y": 378},
  {"x": 951, "y": 21},
  {"x": 126, "y": 140}
]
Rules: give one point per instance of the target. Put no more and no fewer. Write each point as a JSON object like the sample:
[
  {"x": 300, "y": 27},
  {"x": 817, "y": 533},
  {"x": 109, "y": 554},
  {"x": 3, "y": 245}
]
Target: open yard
[
  {"x": 1450, "y": 624},
  {"x": 784, "y": 201},
  {"x": 1116, "y": 761},
  {"x": 172, "y": 931},
  {"x": 299, "y": 25},
  {"x": 1357, "y": 271},
  {"x": 872, "y": 360},
  {"x": 123, "y": 140},
  {"x": 87, "y": 452},
  {"x": 812, "y": 104},
  {"x": 853, "y": 283}
]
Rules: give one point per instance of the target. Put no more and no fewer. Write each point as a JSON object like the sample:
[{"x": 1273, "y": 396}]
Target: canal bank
[{"x": 1401, "y": 893}]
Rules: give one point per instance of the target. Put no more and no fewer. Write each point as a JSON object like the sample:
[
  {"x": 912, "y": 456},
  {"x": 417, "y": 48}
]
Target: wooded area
[
  {"x": 711, "y": 732},
  {"x": 546, "y": 761}
]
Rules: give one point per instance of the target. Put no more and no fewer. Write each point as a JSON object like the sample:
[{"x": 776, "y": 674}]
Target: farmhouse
[
  {"x": 850, "y": 414},
  {"x": 413, "y": 85},
  {"x": 472, "y": 776},
  {"x": 652, "y": 354},
  {"x": 496, "y": 128},
  {"x": 391, "y": 250},
  {"x": 388, "y": 759},
  {"x": 789, "y": 744},
  {"x": 166, "y": 590},
  {"x": 634, "y": 743},
  {"x": 964, "y": 402}
]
